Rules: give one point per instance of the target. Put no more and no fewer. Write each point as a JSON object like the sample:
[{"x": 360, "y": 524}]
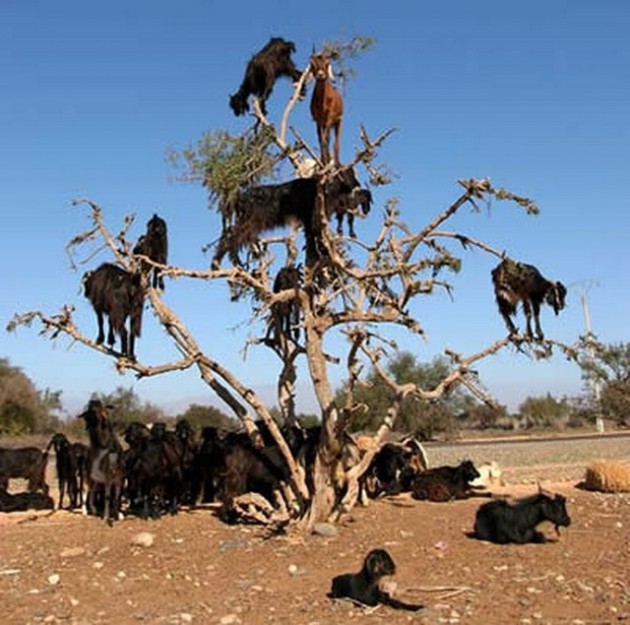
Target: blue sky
[{"x": 533, "y": 95}]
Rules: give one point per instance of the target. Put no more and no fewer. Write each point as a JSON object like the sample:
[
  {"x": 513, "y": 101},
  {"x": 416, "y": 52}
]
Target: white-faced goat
[
  {"x": 117, "y": 293},
  {"x": 502, "y": 522},
  {"x": 262, "y": 71},
  {"x": 263, "y": 208},
  {"x": 326, "y": 106},
  {"x": 516, "y": 282},
  {"x": 154, "y": 245}
]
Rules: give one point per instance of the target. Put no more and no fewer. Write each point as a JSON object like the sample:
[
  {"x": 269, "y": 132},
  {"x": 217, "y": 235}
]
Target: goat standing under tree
[{"x": 360, "y": 294}]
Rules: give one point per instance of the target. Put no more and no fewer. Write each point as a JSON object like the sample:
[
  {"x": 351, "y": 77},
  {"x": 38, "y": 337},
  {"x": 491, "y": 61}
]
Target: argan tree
[{"x": 357, "y": 289}]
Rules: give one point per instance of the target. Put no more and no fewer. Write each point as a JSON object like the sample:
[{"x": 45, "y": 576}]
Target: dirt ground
[{"x": 66, "y": 568}]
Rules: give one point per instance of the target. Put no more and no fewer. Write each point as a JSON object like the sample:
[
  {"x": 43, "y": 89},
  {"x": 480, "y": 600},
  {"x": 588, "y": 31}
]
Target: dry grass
[{"x": 608, "y": 477}]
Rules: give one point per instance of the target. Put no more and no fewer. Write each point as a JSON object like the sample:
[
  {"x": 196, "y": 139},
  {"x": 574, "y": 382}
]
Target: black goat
[
  {"x": 445, "y": 483},
  {"x": 115, "y": 292},
  {"x": 154, "y": 245},
  {"x": 285, "y": 315},
  {"x": 20, "y": 502},
  {"x": 81, "y": 453},
  {"x": 516, "y": 282},
  {"x": 263, "y": 208},
  {"x": 502, "y": 522},
  {"x": 363, "y": 587},
  {"x": 393, "y": 469},
  {"x": 28, "y": 463},
  {"x": 262, "y": 71},
  {"x": 67, "y": 469}
]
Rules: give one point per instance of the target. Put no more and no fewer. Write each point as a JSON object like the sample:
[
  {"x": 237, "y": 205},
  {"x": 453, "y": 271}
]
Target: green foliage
[
  {"x": 226, "y": 163},
  {"x": 125, "y": 406},
  {"x": 546, "y": 411},
  {"x": 24, "y": 409},
  {"x": 483, "y": 417},
  {"x": 201, "y": 416},
  {"x": 340, "y": 52},
  {"x": 421, "y": 417}
]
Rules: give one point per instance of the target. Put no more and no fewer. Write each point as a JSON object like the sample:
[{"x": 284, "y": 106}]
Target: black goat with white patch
[
  {"x": 516, "y": 282},
  {"x": 154, "y": 245},
  {"x": 263, "y": 69},
  {"x": 267, "y": 207},
  {"x": 117, "y": 293},
  {"x": 503, "y": 522},
  {"x": 363, "y": 587},
  {"x": 445, "y": 483}
]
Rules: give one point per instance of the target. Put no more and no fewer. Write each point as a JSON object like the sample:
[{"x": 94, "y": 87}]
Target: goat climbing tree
[{"x": 356, "y": 288}]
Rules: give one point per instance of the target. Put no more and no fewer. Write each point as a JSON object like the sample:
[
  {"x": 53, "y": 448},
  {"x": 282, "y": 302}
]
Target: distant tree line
[{"x": 25, "y": 409}]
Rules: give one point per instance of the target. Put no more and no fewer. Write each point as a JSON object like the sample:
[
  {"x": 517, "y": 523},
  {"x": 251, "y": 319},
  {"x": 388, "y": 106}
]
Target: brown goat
[{"x": 326, "y": 106}]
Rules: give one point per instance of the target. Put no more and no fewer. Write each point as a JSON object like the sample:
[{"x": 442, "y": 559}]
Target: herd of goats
[
  {"x": 119, "y": 294},
  {"x": 159, "y": 470}
]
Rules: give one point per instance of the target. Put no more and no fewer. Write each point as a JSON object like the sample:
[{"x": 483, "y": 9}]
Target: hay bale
[{"x": 608, "y": 476}]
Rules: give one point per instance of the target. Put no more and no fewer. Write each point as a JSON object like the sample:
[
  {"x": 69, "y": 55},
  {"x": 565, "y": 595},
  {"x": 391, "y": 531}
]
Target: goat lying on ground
[
  {"x": 154, "y": 245},
  {"x": 393, "y": 468},
  {"x": 28, "y": 463},
  {"x": 262, "y": 71},
  {"x": 516, "y": 282},
  {"x": 263, "y": 208},
  {"x": 115, "y": 292},
  {"x": 502, "y": 522},
  {"x": 20, "y": 502},
  {"x": 326, "y": 106},
  {"x": 363, "y": 587},
  {"x": 67, "y": 469},
  {"x": 445, "y": 483}
]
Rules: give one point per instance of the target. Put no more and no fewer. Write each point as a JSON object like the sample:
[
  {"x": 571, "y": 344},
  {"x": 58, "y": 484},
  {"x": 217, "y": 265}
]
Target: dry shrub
[{"x": 608, "y": 476}]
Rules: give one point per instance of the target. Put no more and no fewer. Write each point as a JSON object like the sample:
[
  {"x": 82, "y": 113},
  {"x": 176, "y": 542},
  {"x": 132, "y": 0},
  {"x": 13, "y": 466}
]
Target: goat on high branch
[
  {"x": 516, "y": 282},
  {"x": 326, "y": 106},
  {"x": 154, "y": 245},
  {"x": 264, "y": 208},
  {"x": 263, "y": 69}
]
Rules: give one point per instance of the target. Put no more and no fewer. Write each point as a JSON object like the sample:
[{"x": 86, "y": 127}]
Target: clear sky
[{"x": 534, "y": 95}]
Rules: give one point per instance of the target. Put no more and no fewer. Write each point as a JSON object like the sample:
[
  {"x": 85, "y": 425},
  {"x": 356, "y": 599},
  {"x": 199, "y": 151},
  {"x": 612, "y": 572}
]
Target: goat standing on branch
[
  {"x": 262, "y": 71},
  {"x": 516, "y": 282},
  {"x": 154, "y": 245},
  {"x": 326, "y": 106},
  {"x": 263, "y": 208},
  {"x": 117, "y": 293}
]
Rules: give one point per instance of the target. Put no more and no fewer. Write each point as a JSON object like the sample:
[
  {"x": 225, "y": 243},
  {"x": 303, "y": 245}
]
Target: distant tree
[
  {"x": 483, "y": 416},
  {"x": 416, "y": 415},
  {"x": 546, "y": 411},
  {"x": 24, "y": 409},
  {"x": 126, "y": 406},
  {"x": 200, "y": 416},
  {"x": 608, "y": 365}
]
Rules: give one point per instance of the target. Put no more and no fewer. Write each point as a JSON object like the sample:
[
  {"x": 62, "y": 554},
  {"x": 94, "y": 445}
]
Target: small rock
[
  {"x": 229, "y": 619},
  {"x": 54, "y": 579},
  {"x": 72, "y": 552},
  {"x": 143, "y": 539},
  {"x": 74, "y": 602},
  {"x": 294, "y": 569},
  {"x": 184, "y": 617},
  {"x": 325, "y": 529},
  {"x": 98, "y": 565}
]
